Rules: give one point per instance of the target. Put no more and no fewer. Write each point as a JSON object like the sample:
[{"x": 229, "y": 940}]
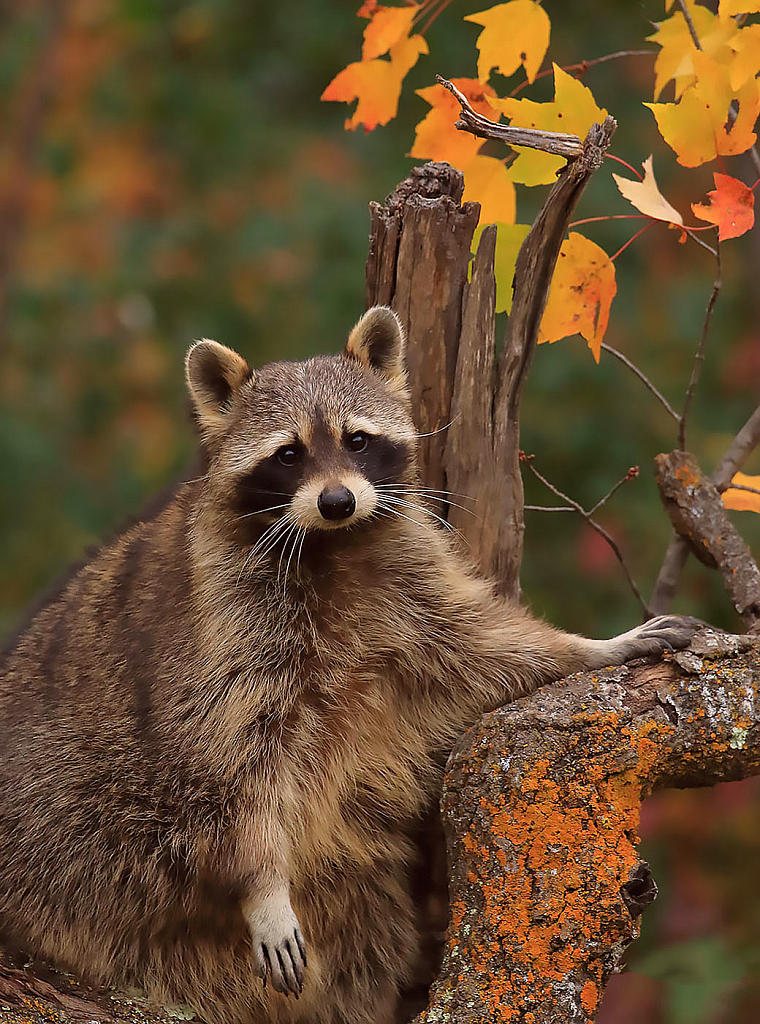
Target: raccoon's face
[{"x": 319, "y": 445}]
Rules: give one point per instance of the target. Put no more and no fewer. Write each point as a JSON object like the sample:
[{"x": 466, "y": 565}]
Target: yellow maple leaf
[
  {"x": 730, "y": 8},
  {"x": 509, "y": 238},
  {"x": 573, "y": 110},
  {"x": 676, "y": 57},
  {"x": 387, "y": 26},
  {"x": 738, "y": 137},
  {"x": 581, "y": 294},
  {"x": 692, "y": 126},
  {"x": 437, "y": 137},
  {"x": 376, "y": 84},
  {"x": 514, "y": 33},
  {"x": 745, "y": 62},
  {"x": 486, "y": 181},
  {"x": 743, "y": 501},
  {"x": 646, "y": 196}
]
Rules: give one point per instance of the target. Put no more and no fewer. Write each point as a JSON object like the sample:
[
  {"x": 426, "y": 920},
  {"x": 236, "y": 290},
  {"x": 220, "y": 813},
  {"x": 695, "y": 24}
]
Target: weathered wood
[
  {"x": 541, "y": 807},
  {"x": 432, "y": 235},
  {"x": 698, "y": 515},
  {"x": 557, "y": 143},
  {"x": 468, "y": 453},
  {"x": 419, "y": 253},
  {"x": 502, "y": 541}
]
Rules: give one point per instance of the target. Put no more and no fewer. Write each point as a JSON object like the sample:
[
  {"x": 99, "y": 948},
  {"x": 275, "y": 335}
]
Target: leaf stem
[
  {"x": 619, "y": 160},
  {"x": 632, "y": 239}
]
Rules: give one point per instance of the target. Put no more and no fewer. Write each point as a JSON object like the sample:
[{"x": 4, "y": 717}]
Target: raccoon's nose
[{"x": 336, "y": 503}]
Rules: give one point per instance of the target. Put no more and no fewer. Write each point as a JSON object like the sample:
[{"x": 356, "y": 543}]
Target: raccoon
[{"x": 214, "y": 740}]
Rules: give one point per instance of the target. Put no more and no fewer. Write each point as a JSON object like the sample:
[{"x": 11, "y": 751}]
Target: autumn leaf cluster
[{"x": 709, "y": 63}]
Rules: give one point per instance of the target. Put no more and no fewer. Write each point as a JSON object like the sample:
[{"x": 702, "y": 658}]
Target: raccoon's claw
[
  {"x": 285, "y": 965},
  {"x": 278, "y": 947},
  {"x": 662, "y": 633}
]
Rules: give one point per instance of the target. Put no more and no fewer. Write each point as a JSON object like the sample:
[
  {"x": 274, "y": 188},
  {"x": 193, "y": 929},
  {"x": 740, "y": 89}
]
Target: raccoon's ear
[
  {"x": 214, "y": 372},
  {"x": 377, "y": 341}
]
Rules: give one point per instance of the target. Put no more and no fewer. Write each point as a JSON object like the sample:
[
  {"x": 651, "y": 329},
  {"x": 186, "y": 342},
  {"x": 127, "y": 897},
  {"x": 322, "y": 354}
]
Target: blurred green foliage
[{"x": 168, "y": 172}]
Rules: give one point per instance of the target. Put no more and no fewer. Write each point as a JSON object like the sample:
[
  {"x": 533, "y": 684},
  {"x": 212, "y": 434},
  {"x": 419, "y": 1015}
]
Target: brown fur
[{"x": 188, "y": 730}]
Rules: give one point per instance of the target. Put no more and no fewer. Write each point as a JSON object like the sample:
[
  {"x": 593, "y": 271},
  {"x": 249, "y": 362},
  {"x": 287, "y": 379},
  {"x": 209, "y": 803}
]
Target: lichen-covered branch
[
  {"x": 33, "y": 992},
  {"x": 541, "y": 807}
]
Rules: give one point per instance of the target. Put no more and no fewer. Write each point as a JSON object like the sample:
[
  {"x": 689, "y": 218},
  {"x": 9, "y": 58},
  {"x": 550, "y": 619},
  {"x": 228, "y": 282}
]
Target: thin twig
[
  {"x": 557, "y": 143},
  {"x": 528, "y": 460},
  {"x": 743, "y": 487},
  {"x": 582, "y": 66},
  {"x": 699, "y": 358},
  {"x": 696, "y": 238},
  {"x": 643, "y": 378},
  {"x": 632, "y": 473},
  {"x": 549, "y": 508},
  {"x": 690, "y": 24}
]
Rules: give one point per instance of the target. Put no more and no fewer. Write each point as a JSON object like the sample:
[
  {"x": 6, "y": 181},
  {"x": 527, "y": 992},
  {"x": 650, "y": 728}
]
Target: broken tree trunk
[
  {"x": 541, "y": 808},
  {"x": 466, "y": 403}
]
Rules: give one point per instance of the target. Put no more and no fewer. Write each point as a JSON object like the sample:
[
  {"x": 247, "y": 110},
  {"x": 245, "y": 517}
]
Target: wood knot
[{"x": 640, "y": 890}]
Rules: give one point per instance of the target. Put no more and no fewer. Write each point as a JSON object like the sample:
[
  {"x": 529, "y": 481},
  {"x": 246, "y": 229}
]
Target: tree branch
[
  {"x": 541, "y": 806},
  {"x": 678, "y": 550},
  {"x": 557, "y": 143},
  {"x": 695, "y": 508}
]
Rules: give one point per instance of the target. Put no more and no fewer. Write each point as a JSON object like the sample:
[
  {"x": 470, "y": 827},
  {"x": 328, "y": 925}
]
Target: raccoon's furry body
[{"x": 212, "y": 752}]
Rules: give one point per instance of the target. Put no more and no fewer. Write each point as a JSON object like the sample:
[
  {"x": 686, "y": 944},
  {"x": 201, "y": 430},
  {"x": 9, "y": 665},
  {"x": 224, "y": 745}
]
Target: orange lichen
[{"x": 589, "y": 997}]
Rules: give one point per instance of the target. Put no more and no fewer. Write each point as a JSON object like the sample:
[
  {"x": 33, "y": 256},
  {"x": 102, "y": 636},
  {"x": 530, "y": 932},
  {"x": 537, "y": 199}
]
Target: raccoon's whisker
[
  {"x": 304, "y": 531},
  {"x": 454, "y": 504},
  {"x": 439, "y": 430},
  {"x": 276, "y": 535},
  {"x": 261, "y": 511},
  {"x": 419, "y": 508},
  {"x": 425, "y": 490},
  {"x": 292, "y": 532},
  {"x": 265, "y": 543},
  {"x": 296, "y": 539},
  {"x": 400, "y": 515}
]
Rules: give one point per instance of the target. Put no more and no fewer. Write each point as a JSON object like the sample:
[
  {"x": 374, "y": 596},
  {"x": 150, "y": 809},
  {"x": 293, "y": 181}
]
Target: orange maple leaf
[
  {"x": 514, "y": 33},
  {"x": 732, "y": 207},
  {"x": 646, "y": 196},
  {"x": 581, "y": 294},
  {"x": 573, "y": 110},
  {"x": 743, "y": 501},
  {"x": 376, "y": 84},
  {"x": 695, "y": 126},
  {"x": 387, "y": 26},
  {"x": 437, "y": 137}
]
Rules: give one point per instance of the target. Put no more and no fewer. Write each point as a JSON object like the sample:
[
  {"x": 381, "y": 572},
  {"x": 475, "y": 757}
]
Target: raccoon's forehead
[{"x": 331, "y": 391}]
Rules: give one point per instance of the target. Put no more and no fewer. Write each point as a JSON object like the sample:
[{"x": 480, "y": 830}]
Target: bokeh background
[{"x": 167, "y": 172}]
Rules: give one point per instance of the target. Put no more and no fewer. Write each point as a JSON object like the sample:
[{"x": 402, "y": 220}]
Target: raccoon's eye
[
  {"x": 357, "y": 441},
  {"x": 288, "y": 455}
]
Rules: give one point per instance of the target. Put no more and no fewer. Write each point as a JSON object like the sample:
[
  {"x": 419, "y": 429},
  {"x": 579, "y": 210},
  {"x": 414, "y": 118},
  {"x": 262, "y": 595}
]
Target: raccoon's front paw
[
  {"x": 278, "y": 946},
  {"x": 662, "y": 633}
]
